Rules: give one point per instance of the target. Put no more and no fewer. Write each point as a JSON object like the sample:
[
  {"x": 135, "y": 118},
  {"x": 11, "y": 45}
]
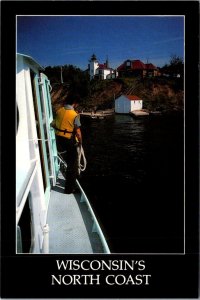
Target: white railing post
[{"x": 45, "y": 248}]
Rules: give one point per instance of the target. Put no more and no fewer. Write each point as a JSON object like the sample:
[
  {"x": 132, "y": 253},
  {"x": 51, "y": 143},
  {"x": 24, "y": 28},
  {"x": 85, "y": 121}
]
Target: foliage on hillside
[
  {"x": 102, "y": 94},
  {"x": 175, "y": 66},
  {"x": 159, "y": 93}
]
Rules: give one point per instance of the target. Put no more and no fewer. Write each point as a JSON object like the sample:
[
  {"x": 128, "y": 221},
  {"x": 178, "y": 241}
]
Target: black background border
[{"x": 29, "y": 276}]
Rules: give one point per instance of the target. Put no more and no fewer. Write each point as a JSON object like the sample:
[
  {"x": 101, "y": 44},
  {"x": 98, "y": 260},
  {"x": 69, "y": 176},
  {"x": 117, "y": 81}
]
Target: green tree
[
  {"x": 74, "y": 79},
  {"x": 175, "y": 66}
]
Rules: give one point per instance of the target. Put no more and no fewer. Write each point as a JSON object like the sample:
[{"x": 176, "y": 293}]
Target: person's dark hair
[{"x": 72, "y": 98}]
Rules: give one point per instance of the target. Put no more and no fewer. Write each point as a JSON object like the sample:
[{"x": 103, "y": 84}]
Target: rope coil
[
  {"x": 82, "y": 163},
  {"x": 81, "y": 159}
]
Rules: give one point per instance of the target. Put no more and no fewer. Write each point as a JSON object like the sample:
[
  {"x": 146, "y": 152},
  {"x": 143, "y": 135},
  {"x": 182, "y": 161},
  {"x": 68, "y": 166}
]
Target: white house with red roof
[
  {"x": 100, "y": 71},
  {"x": 128, "y": 103},
  {"x": 137, "y": 68}
]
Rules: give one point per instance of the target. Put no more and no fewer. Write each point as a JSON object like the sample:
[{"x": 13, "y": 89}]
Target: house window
[{"x": 128, "y": 63}]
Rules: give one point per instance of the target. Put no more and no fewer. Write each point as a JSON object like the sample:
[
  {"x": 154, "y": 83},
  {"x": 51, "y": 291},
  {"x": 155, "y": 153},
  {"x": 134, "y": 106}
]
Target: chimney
[{"x": 107, "y": 64}]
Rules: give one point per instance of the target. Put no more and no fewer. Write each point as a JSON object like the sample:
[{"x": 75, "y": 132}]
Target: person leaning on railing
[{"x": 68, "y": 136}]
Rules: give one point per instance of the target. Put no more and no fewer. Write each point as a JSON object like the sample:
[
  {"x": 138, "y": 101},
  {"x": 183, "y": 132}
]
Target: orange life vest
[{"x": 65, "y": 122}]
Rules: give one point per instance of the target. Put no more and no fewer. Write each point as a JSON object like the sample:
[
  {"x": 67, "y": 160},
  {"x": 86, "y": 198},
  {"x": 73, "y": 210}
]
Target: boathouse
[{"x": 127, "y": 103}]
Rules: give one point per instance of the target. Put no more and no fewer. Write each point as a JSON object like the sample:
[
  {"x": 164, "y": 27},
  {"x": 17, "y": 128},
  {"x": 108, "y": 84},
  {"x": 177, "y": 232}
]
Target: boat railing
[{"x": 96, "y": 227}]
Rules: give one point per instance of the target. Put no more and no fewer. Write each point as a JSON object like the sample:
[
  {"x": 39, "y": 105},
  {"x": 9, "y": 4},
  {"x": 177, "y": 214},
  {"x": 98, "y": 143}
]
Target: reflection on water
[{"x": 134, "y": 180}]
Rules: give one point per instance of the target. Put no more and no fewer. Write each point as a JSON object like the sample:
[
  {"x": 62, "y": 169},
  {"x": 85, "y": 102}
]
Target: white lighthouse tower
[{"x": 93, "y": 65}]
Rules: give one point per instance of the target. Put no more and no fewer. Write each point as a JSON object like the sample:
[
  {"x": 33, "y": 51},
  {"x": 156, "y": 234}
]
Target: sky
[{"x": 64, "y": 40}]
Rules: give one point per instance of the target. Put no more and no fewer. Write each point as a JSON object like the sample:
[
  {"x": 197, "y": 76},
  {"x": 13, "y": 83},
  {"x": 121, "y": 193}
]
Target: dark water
[{"x": 135, "y": 181}]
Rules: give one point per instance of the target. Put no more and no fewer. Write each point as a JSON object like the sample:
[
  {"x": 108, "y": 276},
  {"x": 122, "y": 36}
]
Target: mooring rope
[{"x": 81, "y": 158}]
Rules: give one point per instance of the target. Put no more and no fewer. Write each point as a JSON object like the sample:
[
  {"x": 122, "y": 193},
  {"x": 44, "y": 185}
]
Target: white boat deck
[{"x": 70, "y": 223}]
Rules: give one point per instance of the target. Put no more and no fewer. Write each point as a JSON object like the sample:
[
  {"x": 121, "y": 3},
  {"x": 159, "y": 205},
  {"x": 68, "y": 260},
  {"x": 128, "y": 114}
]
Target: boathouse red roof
[{"x": 133, "y": 97}]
